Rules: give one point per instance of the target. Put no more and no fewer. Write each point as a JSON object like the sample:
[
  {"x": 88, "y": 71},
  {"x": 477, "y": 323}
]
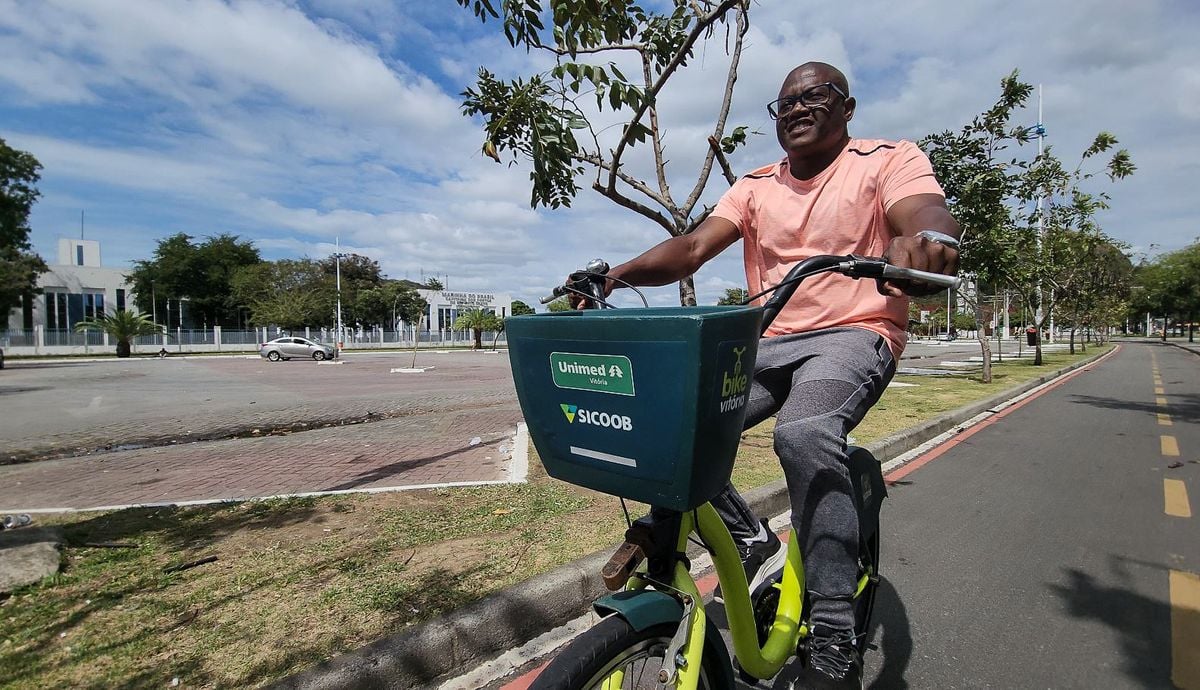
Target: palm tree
[
  {"x": 478, "y": 321},
  {"x": 122, "y": 326}
]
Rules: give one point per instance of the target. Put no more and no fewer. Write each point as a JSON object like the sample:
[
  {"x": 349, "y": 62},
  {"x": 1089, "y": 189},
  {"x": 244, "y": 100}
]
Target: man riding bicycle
[{"x": 830, "y": 354}]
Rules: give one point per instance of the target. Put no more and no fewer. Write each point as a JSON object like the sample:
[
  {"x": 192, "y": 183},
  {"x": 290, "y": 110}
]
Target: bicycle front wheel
[{"x": 614, "y": 656}]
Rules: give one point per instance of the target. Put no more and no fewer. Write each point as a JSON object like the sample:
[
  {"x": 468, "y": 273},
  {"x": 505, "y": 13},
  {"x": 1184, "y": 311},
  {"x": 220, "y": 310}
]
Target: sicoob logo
[{"x": 619, "y": 422}]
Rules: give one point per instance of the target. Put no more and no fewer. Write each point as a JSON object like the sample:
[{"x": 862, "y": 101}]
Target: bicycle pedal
[{"x": 622, "y": 564}]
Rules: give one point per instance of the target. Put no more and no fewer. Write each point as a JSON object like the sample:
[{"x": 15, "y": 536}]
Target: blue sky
[{"x": 293, "y": 123}]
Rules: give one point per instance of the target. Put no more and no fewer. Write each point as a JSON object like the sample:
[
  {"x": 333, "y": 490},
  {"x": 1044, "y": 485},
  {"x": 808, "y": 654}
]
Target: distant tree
[
  {"x": 478, "y": 321},
  {"x": 201, "y": 273},
  {"x": 519, "y": 308},
  {"x": 734, "y": 296},
  {"x": 560, "y": 304},
  {"x": 19, "y": 265},
  {"x": 121, "y": 326},
  {"x": 389, "y": 302},
  {"x": 358, "y": 273},
  {"x": 584, "y": 113},
  {"x": 433, "y": 284},
  {"x": 1094, "y": 281},
  {"x": 1170, "y": 286},
  {"x": 999, "y": 198},
  {"x": 289, "y": 293}
]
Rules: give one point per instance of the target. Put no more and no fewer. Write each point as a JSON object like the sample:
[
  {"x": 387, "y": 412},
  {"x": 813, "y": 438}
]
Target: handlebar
[
  {"x": 850, "y": 265},
  {"x": 590, "y": 281}
]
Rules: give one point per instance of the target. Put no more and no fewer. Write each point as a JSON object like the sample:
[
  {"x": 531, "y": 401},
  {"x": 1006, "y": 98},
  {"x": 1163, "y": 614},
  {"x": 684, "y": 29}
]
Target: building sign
[{"x": 469, "y": 300}]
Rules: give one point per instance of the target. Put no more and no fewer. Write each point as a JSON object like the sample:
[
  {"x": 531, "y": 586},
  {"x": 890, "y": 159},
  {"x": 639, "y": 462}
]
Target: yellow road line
[
  {"x": 1170, "y": 447},
  {"x": 1164, "y": 419},
  {"x": 1158, "y": 390},
  {"x": 1175, "y": 498},
  {"x": 1161, "y": 402},
  {"x": 1185, "y": 629}
]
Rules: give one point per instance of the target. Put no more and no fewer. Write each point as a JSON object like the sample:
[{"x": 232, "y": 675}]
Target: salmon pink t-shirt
[{"x": 840, "y": 211}]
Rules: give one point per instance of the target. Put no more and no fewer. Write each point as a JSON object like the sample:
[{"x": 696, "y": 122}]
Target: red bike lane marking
[{"x": 708, "y": 583}]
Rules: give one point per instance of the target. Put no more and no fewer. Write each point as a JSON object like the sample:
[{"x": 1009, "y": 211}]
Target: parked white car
[{"x": 289, "y": 347}]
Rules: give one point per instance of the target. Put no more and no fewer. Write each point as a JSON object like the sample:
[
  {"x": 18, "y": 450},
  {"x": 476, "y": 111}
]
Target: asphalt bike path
[
  {"x": 1041, "y": 550},
  {"x": 1046, "y": 546}
]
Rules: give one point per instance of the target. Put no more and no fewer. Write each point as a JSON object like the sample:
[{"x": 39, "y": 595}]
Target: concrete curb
[
  {"x": 1192, "y": 349},
  {"x": 444, "y": 648}
]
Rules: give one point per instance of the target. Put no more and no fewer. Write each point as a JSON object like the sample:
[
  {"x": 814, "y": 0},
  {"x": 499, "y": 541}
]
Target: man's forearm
[
  {"x": 936, "y": 218},
  {"x": 662, "y": 264}
]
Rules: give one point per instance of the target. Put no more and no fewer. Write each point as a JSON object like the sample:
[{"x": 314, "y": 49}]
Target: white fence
[{"x": 42, "y": 341}]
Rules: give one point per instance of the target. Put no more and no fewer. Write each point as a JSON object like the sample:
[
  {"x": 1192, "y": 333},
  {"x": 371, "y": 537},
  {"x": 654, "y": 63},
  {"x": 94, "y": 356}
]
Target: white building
[
  {"x": 446, "y": 305},
  {"x": 76, "y": 287}
]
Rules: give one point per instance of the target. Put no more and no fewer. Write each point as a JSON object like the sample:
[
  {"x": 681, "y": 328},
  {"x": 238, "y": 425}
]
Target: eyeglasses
[{"x": 813, "y": 97}]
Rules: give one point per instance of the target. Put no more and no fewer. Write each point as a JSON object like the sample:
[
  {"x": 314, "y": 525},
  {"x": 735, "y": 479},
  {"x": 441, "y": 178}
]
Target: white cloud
[{"x": 294, "y": 122}]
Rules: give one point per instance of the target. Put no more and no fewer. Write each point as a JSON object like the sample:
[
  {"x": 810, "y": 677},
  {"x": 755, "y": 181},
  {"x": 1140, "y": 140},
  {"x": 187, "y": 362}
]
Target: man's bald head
[
  {"x": 811, "y": 116},
  {"x": 819, "y": 72}
]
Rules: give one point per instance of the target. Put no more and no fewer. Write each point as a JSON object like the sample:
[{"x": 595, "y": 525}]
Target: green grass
[{"x": 300, "y": 580}]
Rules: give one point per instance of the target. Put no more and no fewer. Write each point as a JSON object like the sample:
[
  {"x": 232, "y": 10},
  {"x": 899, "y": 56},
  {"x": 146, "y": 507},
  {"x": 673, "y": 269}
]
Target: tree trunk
[
  {"x": 985, "y": 346},
  {"x": 123, "y": 348},
  {"x": 1072, "y": 340},
  {"x": 687, "y": 292},
  {"x": 478, "y": 338}
]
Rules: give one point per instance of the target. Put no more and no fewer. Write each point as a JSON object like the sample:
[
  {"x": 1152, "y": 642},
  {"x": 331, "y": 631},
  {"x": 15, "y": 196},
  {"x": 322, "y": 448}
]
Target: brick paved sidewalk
[{"x": 422, "y": 449}]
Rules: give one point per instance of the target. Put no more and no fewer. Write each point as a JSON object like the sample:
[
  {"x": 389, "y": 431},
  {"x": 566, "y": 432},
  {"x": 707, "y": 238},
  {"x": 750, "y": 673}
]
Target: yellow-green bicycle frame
[
  {"x": 761, "y": 662},
  {"x": 787, "y": 630}
]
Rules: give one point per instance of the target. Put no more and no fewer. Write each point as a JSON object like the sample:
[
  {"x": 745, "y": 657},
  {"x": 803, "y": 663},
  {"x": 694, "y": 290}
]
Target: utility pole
[
  {"x": 337, "y": 256},
  {"x": 1038, "y": 316}
]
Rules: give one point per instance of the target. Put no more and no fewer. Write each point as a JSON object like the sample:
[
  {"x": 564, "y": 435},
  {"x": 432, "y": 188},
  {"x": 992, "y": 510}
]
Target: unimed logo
[{"x": 619, "y": 422}]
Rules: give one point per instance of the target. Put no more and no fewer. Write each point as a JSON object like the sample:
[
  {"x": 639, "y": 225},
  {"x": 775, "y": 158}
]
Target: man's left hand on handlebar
[{"x": 922, "y": 254}]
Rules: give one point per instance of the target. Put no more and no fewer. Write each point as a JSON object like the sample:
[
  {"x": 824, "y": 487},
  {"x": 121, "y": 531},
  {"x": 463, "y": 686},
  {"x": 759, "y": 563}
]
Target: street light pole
[
  {"x": 338, "y": 274},
  {"x": 1037, "y": 317},
  {"x": 395, "y": 323}
]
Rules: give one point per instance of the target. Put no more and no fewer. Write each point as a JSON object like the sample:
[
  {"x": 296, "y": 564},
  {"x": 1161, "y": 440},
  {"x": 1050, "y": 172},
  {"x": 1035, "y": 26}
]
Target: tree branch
[
  {"x": 715, "y": 147},
  {"x": 597, "y": 49},
  {"x": 652, "y": 93},
  {"x": 695, "y": 222},
  {"x": 637, "y": 184},
  {"x": 656, "y": 137},
  {"x": 715, "y": 151},
  {"x": 637, "y": 208}
]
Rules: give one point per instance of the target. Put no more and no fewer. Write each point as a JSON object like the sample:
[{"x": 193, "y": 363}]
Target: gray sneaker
[
  {"x": 833, "y": 659},
  {"x": 762, "y": 560}
]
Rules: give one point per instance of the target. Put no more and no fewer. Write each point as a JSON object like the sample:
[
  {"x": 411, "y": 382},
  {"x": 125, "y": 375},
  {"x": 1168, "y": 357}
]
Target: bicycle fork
[{"x": 663, "y": 542}]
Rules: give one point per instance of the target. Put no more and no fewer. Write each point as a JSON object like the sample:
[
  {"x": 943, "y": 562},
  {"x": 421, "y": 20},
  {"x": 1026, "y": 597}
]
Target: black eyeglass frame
[{"x": 799, "y": 100}]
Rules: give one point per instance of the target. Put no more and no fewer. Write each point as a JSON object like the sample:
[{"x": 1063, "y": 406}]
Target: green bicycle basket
[{"x": 646, "y": 404}]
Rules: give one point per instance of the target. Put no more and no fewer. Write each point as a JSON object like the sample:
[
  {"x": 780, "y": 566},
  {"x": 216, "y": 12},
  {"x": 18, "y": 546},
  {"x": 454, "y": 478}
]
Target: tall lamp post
[
  {"x": 337, "y": 255},
  {"x": 1040, "y": 130}
]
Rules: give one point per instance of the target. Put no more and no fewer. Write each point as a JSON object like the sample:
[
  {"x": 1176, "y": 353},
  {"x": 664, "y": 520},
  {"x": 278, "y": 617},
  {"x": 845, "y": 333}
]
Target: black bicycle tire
[{"x": 589, "y": 658}]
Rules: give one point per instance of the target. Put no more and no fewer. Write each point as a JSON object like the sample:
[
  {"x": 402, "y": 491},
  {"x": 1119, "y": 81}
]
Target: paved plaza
[
  {"x": 297, "y": 427},
  {"x": 107, "y": 433}
]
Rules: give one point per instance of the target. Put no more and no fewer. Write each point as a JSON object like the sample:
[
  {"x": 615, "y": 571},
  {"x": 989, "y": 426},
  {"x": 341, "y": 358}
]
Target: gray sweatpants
[{"x": 820, "y": 385}]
